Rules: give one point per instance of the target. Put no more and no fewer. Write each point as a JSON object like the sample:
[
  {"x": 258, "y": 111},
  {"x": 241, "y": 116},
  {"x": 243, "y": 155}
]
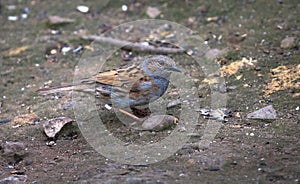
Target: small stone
[
  {"x": 153, "y": 12},
  {"x": 15, "y": 150},
  {"x": 214, "y": 168},
  {"x": 65, "y": 49},
  {"x": 13, "y": 18},
  {"x": 124, "y": 8},
  {"x": 263, "y": 113},
  {"x": 51, "y": 143},
  {"x": 3, "y": 121},
  {"x": 214, "y": 53},
  {"x": 15, "y": 178},
  {"x": 108, "y": 107},
  {"x": 159, "y": 122},
  {"x": 287, "y": 43},
  {"x": 53, "y": 126},
  {"x": 83, "y": 9},
  {"x": 28, "y": 162},
  {"x": 173, "y": 103},
  {"x": 191, "y": 162}
]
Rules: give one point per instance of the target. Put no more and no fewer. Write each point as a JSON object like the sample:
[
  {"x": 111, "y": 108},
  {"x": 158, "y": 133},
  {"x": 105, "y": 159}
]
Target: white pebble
[
  {"x": 83, "y": 9},
  {"x": 108, "y": 107},
  {"x": 297, "y": 108},
  {"x": 13, "y": 18},
  {"x": 251, "y": 134},
  {"x": 124, "y": 7},
  {"x": 145, "y": 43},
  {"x": 24, "y": 16},
  {"x": 64, "y": 50}
]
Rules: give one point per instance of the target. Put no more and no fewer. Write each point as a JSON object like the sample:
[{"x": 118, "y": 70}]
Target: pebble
[
  {"x": 53, "y": 126},
  {"x": 67, "y": 105},
  {"x": 15, "y": 178},
  {"x": 108, "y": 107},
  {"x": 83, "y": 9},
  {"x": 214, "y": 168},
  {"x": 124, "y": 8},
  {"x": 12, "y": 18},
  {"x": 3, "y": 121},
  {"x": 287, "y": 43},
  {"x": 51, "y": 143},
  {"x": 65, "y": 49},
  {"x": 267, "y": 112},
  {"x": 173, "y": 103},
  {"x": 214, "y": 53},
  {"x": 15, "y": 150},
  {"x": 153, "y": 12},
  {"x": 159, "y": 122}
]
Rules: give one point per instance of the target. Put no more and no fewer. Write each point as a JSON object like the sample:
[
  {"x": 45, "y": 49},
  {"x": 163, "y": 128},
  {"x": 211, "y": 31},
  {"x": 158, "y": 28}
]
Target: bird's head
[{"x": 159, "y": 65}]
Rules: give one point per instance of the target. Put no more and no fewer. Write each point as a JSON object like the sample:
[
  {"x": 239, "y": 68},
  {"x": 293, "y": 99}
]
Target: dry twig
[{"x": 134, "y": 46}]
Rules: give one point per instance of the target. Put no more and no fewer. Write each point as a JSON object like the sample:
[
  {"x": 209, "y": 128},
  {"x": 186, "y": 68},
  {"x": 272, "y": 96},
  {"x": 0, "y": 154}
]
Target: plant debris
[
  {"x": 234, "y": 67},
  {"x": 17, "y": 51},
  {"x": 25, "y": 119},
  {"x": 284, "y": 77}
]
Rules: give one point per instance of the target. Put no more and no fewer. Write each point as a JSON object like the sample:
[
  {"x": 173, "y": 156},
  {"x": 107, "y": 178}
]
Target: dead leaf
[
  {"x": 211, "y": 80},
  {"x": 17, "y": 51},
  {"x": 239, "y": 77},
  {"x": 234, "y": 67},
  {"x": 25, "y": 119},
  {"x": 296, "y": 95},
  {"x": 284, "y": 77}
]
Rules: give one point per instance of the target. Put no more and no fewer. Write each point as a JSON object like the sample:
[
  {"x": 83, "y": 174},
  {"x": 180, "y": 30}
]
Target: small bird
[{"x": 142, "y": 81}]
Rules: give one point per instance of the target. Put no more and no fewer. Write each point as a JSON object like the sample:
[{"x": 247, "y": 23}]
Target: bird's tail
[{"x": 76, "y": 87}]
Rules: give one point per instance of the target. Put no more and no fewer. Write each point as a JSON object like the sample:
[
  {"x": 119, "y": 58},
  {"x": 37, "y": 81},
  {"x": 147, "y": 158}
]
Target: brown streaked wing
[
  {"x": 119, "y": 77},
  {"x": 136, "y": 92}
]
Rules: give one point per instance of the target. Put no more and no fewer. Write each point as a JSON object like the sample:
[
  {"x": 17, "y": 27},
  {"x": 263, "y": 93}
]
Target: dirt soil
[{"x": 264, "y": 33}]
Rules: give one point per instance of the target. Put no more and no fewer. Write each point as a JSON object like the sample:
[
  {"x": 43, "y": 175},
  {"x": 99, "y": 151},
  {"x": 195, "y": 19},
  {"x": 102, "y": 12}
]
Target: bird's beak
[{"x": 175, "y": 69}]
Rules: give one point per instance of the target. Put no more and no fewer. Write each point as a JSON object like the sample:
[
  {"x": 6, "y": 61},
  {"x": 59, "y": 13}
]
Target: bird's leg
[
  {"x": 126, "y": 113},
  {"x": 131, "y": 115}
]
